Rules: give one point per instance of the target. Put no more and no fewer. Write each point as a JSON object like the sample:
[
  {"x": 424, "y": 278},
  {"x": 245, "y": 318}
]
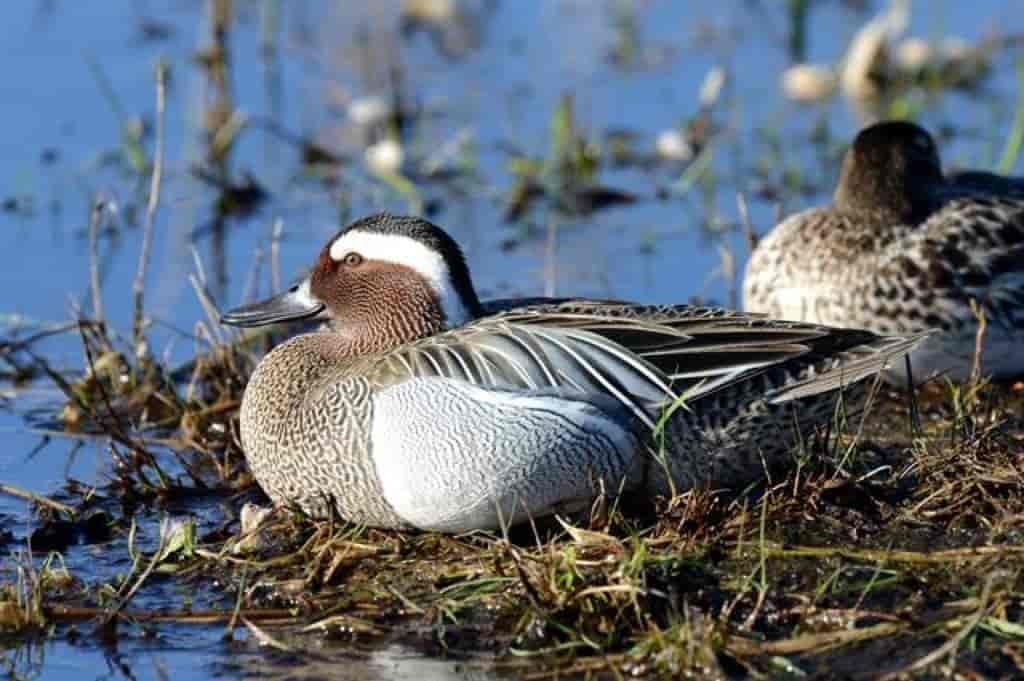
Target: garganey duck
[
  {"x": 418, "y": 406},
  {"x": 901, "y": 249}
]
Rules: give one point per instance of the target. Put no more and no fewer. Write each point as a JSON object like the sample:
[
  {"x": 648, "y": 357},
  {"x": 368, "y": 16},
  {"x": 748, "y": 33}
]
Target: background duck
[
  {"x": 901, "y": 249},
  {"x": 416, "y": 409}
]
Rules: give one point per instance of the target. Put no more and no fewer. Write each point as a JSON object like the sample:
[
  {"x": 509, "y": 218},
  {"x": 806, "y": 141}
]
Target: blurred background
[
  {"x": 573, "y": 147},
  {"x": 617, "y": 148}
]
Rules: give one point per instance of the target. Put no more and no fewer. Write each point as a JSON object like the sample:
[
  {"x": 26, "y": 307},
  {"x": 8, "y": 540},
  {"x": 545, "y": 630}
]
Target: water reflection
[
  {"x": 188, "y": 654},
  {"x": 388, "y": 662}
]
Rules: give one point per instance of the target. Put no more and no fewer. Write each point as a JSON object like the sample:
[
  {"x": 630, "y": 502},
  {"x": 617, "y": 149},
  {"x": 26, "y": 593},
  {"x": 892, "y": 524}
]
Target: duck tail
[{"x": 852, "y": 366}]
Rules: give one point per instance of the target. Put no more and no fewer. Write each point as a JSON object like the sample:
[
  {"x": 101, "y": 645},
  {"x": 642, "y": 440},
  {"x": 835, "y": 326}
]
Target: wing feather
[{"x": 643, "y": 356}]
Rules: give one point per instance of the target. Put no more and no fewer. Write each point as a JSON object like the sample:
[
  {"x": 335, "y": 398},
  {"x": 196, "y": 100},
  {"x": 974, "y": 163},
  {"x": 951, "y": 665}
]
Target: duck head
[
  {"x": 891, "y": 170},
  {"x": 385, "y": 279}
]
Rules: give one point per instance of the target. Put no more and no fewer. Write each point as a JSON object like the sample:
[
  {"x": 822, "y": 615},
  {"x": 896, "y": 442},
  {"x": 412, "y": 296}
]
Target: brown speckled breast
[{"x": 305, "y": 422}]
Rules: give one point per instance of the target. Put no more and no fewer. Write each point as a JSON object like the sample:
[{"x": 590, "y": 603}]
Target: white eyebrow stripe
[{"x": 404, "y": 250}]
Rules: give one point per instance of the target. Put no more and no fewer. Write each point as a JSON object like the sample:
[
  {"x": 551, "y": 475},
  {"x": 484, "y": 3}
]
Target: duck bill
[{"x": 291, "y": 305}]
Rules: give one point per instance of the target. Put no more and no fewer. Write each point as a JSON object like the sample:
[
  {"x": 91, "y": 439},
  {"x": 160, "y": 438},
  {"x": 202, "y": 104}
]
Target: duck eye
[{"x": 352, "y": 259}]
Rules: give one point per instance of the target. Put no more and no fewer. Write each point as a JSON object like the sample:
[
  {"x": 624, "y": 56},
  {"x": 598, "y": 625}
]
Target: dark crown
[
  {"x": 891, "y": 169},
  {"x": 431, "y": 236}
]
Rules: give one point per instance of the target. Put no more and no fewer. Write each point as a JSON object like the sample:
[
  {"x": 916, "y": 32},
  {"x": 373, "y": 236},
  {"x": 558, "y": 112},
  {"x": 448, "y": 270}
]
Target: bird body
[
  {"x": 902, "y": 249},
  {"x": 421, "y": 407}
]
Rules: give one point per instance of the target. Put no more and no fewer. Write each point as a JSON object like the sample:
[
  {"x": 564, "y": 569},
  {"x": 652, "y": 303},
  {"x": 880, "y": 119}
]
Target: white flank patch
[
  {"x": 453, "y": 457},
  {"x": 403, "y": 250}
]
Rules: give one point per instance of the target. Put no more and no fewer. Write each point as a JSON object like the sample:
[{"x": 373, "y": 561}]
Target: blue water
[{"x": 76, "y": 73}]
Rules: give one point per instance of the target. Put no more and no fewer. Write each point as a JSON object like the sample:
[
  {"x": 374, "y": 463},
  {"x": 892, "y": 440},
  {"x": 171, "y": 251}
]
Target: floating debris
[
  {"x": 914, "y": 54},
  {"x": 880, "y": 64},
  {"x": 808, "y": 83},
  {"x": 711, "y": 87},
  {"x": 370, "y": 110},
  {"x": 250, "y": 538},
  {"x": 385, "y": 157},
  {"x": 673, "y": 145},
  {"x": 455, "y": 26},
  {"x": 867, "y": 57}
]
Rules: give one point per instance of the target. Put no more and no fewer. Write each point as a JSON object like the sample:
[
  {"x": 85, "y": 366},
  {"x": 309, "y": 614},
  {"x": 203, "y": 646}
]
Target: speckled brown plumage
[{"x": 902, "y": 249}]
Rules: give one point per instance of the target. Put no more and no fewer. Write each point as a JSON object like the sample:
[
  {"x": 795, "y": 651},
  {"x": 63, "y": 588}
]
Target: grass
[
  {"x": 567, "y": 177},
  {"x": 879, "y": 545},
  {"x": 884, "y": 543}
]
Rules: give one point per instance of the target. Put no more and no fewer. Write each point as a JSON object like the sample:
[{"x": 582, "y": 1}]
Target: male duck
[
  {"x": 904, "y": 248},
  {"x": 418, "y": 408}
]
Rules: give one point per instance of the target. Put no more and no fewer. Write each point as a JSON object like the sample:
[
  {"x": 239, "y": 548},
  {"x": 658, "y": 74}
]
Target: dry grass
[{"x": 880, "y": 550}]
